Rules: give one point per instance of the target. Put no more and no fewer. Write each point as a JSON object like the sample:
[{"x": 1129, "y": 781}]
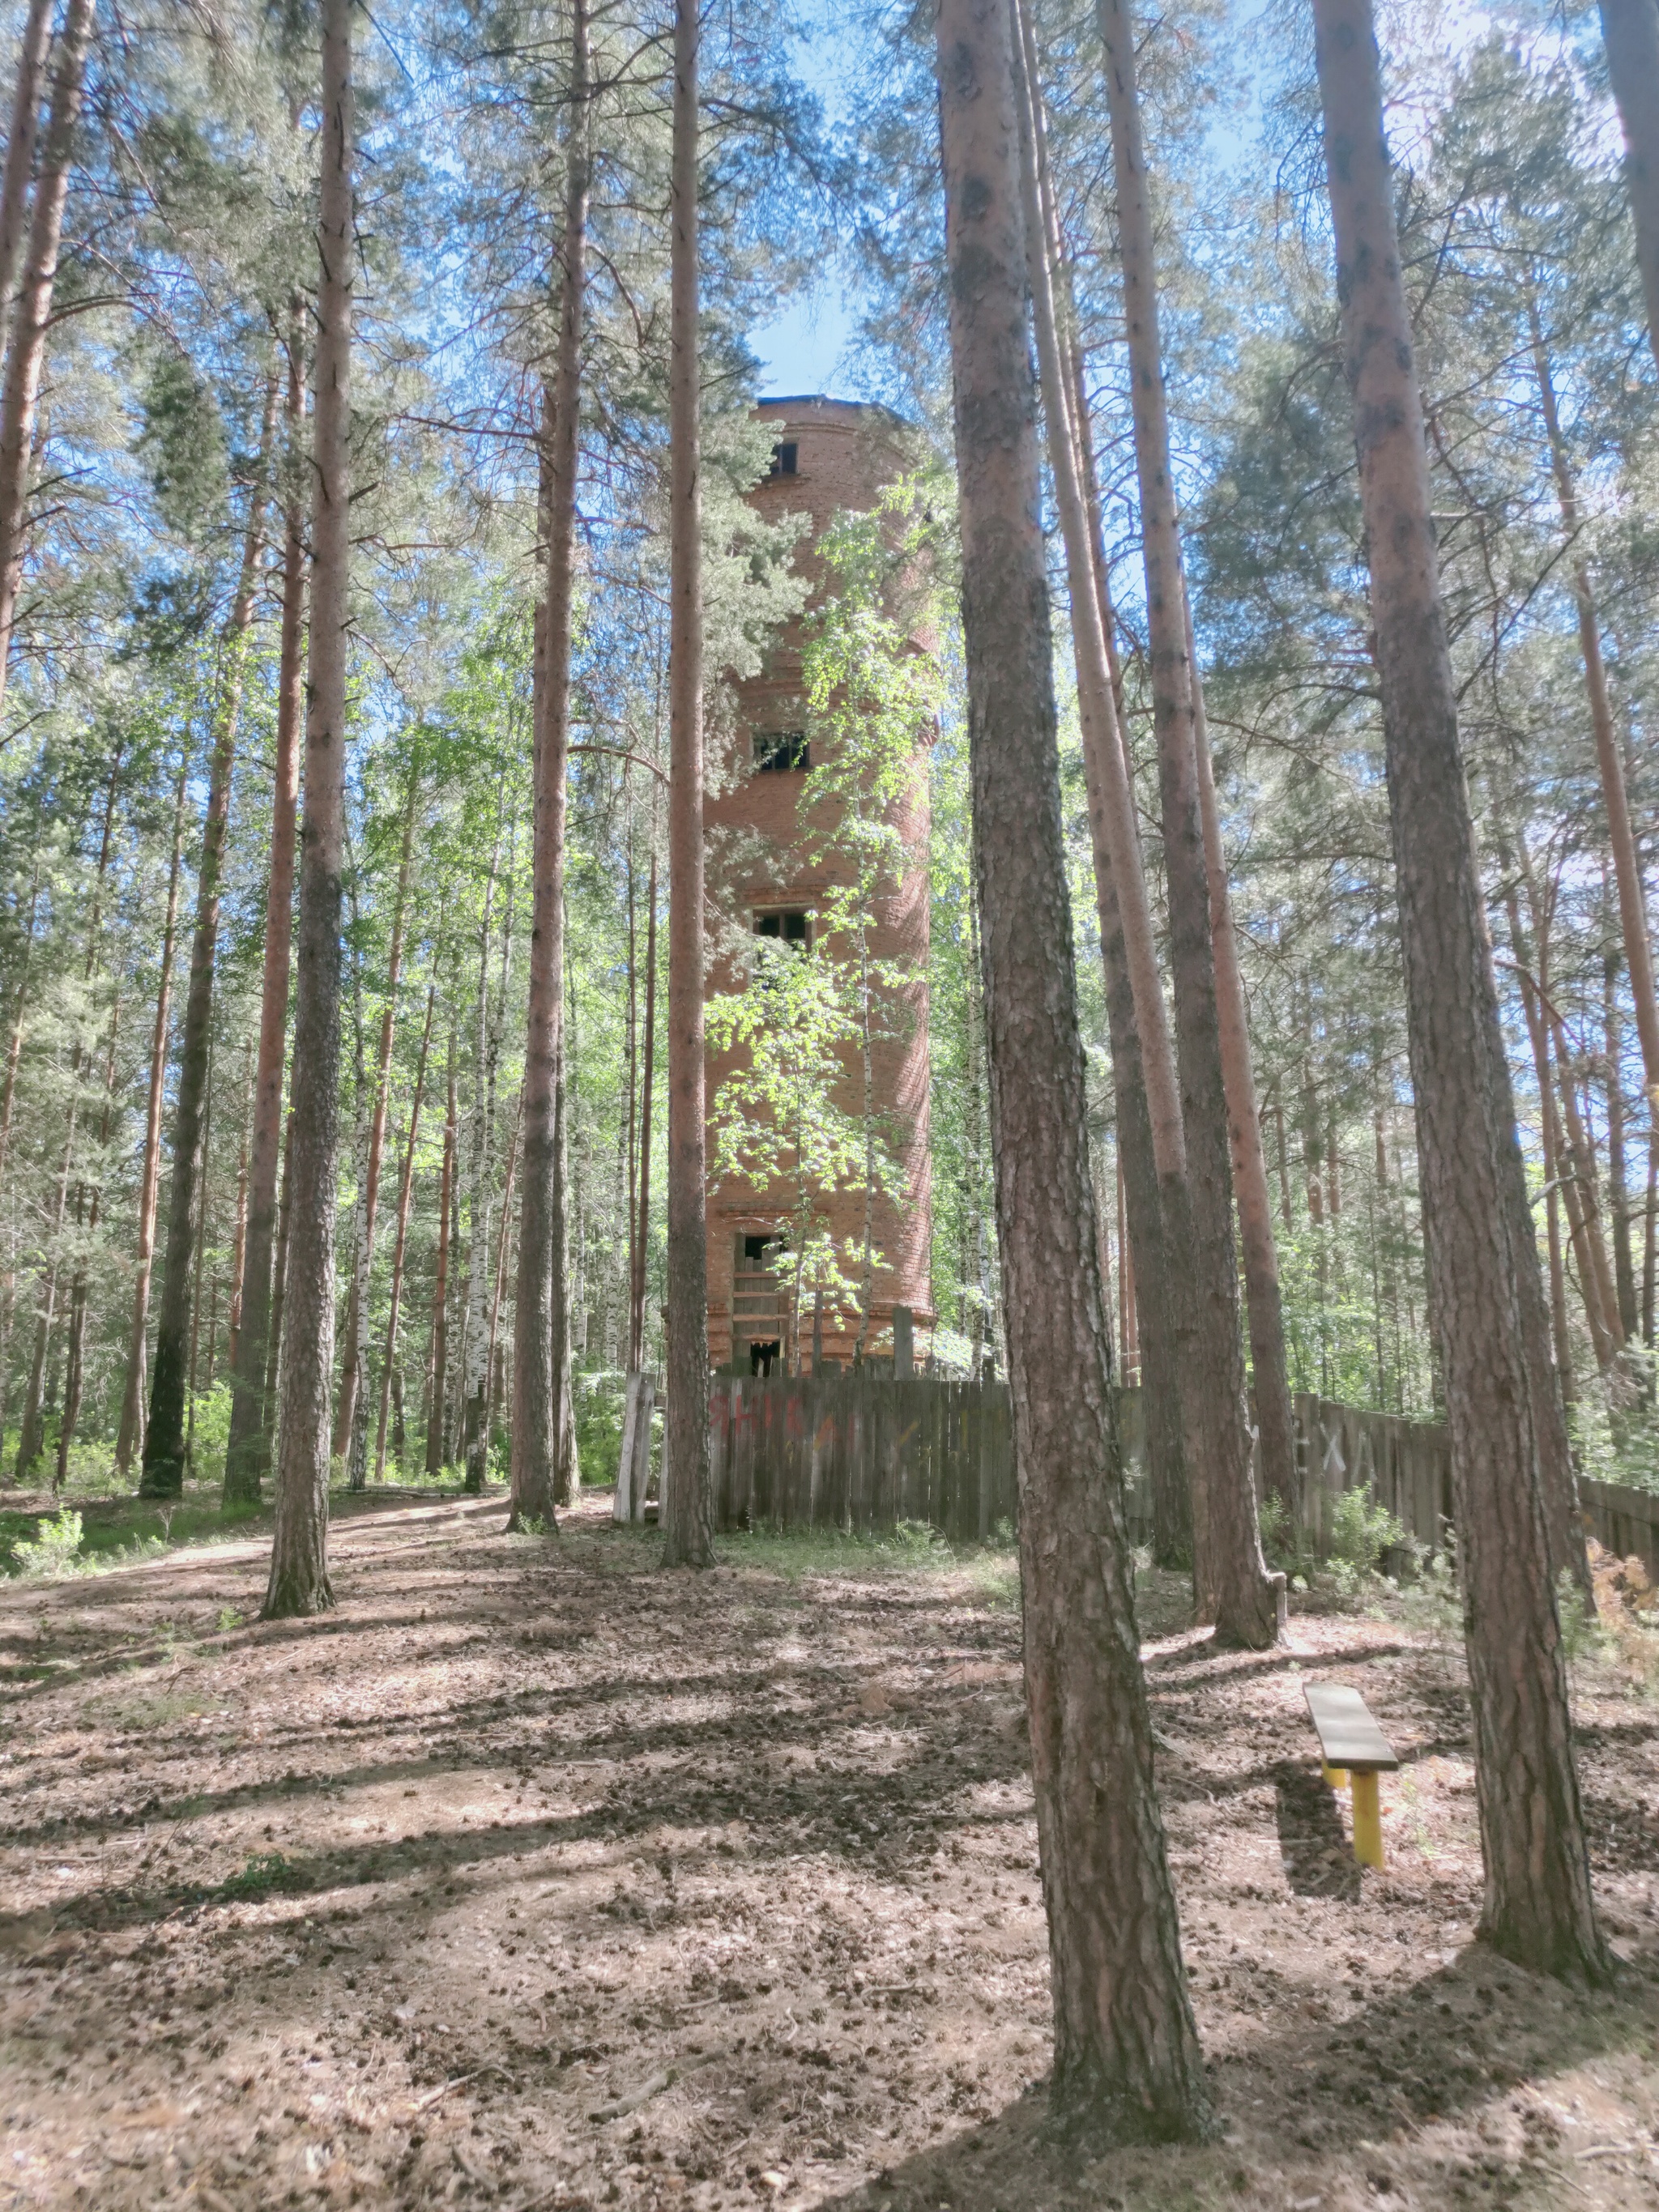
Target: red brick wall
[{"x": 757, "y": 858}]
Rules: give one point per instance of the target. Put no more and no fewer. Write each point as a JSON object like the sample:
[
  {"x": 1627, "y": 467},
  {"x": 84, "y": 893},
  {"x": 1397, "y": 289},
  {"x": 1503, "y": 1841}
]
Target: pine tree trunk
[
  {"x": 541, "y": 1328},
  {"x": 1232, "y": 1581},
  {"x": 239, "y": 1246},
  {"x": 1630, "y": 32},
  {"x": 351, "y": 1416},
  {"x": 299, "y": 1582},
  {"x": 20, "y": 155},
  {"x": 247, "y": 1453},
  {"x": 1127, "y": 2060},
  {"x": 278, "y": 1285},
  {"x": 164, "y": 1432},
  {"x": 31, "y": 1430},
  {"x": 1537, "y": 1908},
  {"x": 1550, "y": 1138},
  {"x": 642, "y": 1240},
  {"x": 1544, "y": 1325},
  {"x": 688, "y": 1517},
  {"x": 1265, "y": 1309},
  {"x": 1624, "y": 1271},
  {"x": 436, "y": 1459},
  {"x": 1120, "y": 877},
  {"x": 1609, "y": 754},
  {"x": 31, "y": 317},
  {"x": 475, "y": 1376},
  {"x": 405, "y": 1192}
]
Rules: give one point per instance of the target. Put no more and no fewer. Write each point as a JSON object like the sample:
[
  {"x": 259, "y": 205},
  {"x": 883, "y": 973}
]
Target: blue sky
[{"x": 800, "y": 351}]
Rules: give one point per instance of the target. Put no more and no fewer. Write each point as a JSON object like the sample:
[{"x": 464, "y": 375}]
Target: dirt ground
[{"x": 537, "y": 1877}]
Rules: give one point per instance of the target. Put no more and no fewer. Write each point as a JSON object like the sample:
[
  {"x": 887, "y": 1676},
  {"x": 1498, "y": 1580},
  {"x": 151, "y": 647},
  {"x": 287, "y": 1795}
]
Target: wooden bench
[{"x": 1355, "y": 1752}]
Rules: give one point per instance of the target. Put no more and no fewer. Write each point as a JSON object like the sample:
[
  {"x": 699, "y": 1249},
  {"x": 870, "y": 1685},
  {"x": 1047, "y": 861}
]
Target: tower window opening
[
  {"x": 779, "y": 752},
  {"x": 783, "y": 458},
  {"x": 790, "y": 925}
]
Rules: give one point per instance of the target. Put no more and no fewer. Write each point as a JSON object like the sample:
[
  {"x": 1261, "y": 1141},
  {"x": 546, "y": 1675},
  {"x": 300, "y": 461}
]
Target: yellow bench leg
[
  {"x": 1367, "y": 1821},
  {"x": 1336, "y": 1778}
]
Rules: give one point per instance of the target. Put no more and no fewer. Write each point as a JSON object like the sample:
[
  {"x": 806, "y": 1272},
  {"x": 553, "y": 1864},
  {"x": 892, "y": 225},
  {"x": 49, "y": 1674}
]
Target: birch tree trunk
[
  {"x": 687, "y": 1504},
  {"x": 1232, "y": 1581},
  {"x": 1127, "y": 2060},
  {"x": 299, "y": 1582},
  {"x": 247, "y": 1453},
  {"x": 31, "y": 316},
  {"x": 1537, "y": 1908},
  {"x": 541, "y": 1327}
]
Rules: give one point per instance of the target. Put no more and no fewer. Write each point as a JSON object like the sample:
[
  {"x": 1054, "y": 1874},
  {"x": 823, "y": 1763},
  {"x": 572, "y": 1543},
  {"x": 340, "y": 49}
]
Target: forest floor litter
[{"x": 535, "y": 1876}]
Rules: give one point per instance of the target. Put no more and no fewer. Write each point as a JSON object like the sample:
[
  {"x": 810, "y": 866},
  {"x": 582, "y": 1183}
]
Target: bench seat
[{"x": 1355, "y": 1752}]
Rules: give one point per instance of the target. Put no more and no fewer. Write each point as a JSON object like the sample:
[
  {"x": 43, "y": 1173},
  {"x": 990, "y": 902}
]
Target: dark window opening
[
  {"x": 777, "y": 751},
  {"x": 791, "y": 926},
  {"x": 783, "y": 458}
]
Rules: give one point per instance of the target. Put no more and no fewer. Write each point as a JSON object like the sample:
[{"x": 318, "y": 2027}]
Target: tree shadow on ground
[
  {"x": 1307, "y": 2109},
  {"x": 1312, "y": 1845}
]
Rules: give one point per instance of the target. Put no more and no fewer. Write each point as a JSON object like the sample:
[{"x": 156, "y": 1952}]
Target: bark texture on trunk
[
  {"x": 1538, "y": 1908},
  {"x": 247, "y": 1453},
  {"x": 130, "y": 1436},
  {"x": 541, "y": 1327},
  {"x": 19, "y": 154},
  {"x": 1630, "y": 31},
  {"x": 298, "y": 1583},
  {"x": 688, "y": 1519},
  {"x": 31, "y": 316},
  {"x": 164, "y": 1432},
  {"x": 1230, "y": 1579},
  {"x": 1127, "y": 2060}
]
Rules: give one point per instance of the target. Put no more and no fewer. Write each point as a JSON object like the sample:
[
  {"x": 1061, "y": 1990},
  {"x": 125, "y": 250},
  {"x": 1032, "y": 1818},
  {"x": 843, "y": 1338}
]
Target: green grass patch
[
  {"x": 90, "y": 1535},
  {"x": 912, "y": 1547},
  {"x": 264, "y": 1872}
]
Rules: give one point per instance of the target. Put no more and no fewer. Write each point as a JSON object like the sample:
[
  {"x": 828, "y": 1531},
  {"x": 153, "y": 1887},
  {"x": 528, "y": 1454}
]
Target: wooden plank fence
[
  {"x": 862, "y": 1453},
  {"x": 852, "y": 1452}
]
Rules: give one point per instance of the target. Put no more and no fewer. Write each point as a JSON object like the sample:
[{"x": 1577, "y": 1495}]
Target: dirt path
[{"x": 536, "y": 1877}]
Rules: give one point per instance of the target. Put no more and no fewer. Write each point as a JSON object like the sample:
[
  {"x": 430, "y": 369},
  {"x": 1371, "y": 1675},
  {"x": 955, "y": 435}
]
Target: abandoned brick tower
[{"x": 828, "y": 455}]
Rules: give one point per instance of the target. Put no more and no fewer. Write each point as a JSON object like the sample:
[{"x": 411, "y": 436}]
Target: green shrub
[
  {"x": 1362, "y": 1530},
  {"x": 54, "y": 1551},
  {"x": 262, "y": 1874}
]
